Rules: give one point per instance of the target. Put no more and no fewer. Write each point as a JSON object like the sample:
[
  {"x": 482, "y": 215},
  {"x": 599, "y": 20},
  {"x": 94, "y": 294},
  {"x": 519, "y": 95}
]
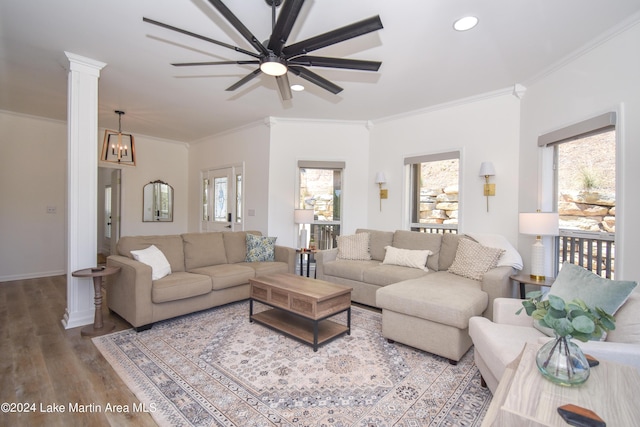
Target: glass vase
[{"x": 562, "y": 362}]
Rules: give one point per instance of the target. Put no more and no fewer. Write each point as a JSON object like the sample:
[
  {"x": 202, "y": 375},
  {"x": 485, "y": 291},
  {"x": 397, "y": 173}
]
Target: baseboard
[{"x": 27, "y": 276}]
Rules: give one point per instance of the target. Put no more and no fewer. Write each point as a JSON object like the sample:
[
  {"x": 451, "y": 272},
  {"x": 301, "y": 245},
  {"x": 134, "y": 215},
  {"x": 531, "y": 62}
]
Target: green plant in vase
[{"x": 561, "y": 360}]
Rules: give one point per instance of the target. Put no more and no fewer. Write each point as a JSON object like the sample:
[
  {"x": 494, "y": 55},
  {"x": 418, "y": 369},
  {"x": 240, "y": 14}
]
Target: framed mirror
[{"x": 157, "y": 202}]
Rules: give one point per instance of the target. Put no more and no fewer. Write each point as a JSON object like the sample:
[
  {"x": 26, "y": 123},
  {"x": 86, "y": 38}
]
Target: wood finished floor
[{"x": 41, "y": 363}]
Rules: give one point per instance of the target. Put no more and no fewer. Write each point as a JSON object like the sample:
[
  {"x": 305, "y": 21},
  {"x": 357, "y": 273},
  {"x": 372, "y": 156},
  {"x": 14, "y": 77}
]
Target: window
[
  {"x": 321, "y": 190},
  {"x": 584, "y": 163},
  {"x": 434, "y": 192}
]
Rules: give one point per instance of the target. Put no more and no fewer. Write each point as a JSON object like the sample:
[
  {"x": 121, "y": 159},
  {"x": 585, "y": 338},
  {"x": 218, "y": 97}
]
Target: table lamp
[
  {"x": 538, "y": 224},
  {"x": 303, "y": 216}
]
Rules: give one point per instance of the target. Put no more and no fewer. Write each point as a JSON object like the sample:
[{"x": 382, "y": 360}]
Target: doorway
[{"x": 109, "y": 208}]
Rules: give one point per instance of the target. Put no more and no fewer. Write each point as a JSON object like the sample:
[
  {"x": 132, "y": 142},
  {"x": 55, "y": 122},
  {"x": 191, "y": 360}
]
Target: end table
[
  {"x": 309, "y": 254},
  {"x": 525, "y": 279},
  {"x": 99, "y": 327}
]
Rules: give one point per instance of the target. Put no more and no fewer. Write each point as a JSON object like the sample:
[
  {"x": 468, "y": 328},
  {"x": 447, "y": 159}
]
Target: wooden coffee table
[{"x": 301, "y": 307}]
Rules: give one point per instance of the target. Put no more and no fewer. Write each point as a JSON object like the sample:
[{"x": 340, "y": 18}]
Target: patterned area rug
[{"x": 215, "y": 368}]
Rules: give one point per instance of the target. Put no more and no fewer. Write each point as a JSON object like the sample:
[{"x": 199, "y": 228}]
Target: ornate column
[{"x": 82, "y": 179}]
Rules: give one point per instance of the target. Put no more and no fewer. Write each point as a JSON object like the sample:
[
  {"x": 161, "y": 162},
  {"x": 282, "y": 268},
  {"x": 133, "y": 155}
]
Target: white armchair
[{"x": 498, "y": 342}]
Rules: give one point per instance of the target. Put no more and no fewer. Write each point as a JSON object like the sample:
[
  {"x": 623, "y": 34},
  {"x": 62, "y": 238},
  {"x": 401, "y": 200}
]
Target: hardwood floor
[{"x": 44, "y": 367}]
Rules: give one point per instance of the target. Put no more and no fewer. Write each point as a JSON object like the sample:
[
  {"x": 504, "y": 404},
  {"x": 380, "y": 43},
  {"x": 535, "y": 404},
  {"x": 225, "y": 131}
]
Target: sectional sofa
[
  {"x": 429, "y": 310},
  {"x": 206, "y": 270}
]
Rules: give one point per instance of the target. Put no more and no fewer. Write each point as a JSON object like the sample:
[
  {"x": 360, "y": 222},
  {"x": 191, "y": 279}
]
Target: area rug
[{"x": 215, "y": 368}]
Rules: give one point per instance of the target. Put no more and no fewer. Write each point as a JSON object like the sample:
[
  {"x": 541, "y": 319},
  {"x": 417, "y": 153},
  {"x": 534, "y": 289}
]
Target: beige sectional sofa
[
  {"x": 429, "y": 310},
  {"x": 207, "y": 270}
]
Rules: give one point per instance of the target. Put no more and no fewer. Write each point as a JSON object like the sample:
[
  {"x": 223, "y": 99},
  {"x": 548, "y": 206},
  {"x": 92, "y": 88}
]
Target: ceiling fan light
[
  {"x": 466, "y": 23},
  {"x": 273, "y": 66}
]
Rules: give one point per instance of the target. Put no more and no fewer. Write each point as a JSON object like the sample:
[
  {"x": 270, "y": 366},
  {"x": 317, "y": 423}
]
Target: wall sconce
[
  {"x": 118, "y": 147},
  {"x": 538, "y": 224},
  {"x": 304, "y": 217},
  {"x": 381, "y": 179},
  {"x": 487, "y": 170}
]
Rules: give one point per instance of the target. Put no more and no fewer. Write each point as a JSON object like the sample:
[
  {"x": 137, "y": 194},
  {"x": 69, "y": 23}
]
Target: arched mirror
[{"x": 157, "y": 202}]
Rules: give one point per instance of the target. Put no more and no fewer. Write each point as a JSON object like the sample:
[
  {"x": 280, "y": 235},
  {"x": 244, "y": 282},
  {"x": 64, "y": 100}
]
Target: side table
[
  {"x": 525, "y": 279},
  {"x": 525, "y": 398},
  {"x": 99, "y": 327},
  {"x": 309, "y": 254}
]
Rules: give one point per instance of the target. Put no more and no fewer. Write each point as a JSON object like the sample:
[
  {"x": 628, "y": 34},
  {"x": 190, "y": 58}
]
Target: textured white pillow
[
  {"x": 155, "y": 258},
  {"x": 413, "y": 258},
  {"x": 473, "y": 260},
  {"x": 355, "y": 247}
]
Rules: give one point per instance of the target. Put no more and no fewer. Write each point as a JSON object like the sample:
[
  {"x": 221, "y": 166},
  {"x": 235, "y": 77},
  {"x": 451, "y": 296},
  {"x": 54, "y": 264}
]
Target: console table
[{"x": 525, "y": 398}]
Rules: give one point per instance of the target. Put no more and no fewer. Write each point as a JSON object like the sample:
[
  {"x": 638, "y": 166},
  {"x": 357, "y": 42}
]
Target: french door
[{"x": 222, "y": 199}]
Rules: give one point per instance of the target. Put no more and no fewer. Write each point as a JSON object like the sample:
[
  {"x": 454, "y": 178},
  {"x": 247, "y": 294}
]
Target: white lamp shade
[
  {"x": 380, "y": 178},
  {"x": 486, "y": 169},
  {"x": 303, "y": 216},
  {"x": 539, "y": 223}
]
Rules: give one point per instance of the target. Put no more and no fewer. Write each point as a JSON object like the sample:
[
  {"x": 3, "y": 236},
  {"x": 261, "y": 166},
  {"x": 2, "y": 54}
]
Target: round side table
[{"x": 99, "y": 327}]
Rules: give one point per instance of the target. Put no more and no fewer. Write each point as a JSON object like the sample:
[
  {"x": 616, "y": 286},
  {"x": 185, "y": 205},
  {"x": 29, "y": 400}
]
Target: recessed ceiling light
[
  {"x": 466, "y": 23},
  {"x": 297, "y": 88}
]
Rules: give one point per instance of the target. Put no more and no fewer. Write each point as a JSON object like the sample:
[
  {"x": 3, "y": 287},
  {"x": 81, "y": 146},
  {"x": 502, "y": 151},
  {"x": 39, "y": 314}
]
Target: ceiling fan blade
[
  {"x": 284, "y": 24},
  {"x": 244, "y": 80},
  {"x": 190, "y": 64},
  {"x": 315, "y": 78},
  {"x": 198, "y": 36},
  {"x": 332, "y": 37},
  {"x": 321, "y": 61},
  {"x": 284, "y": 87},
  {"x": 239, "y": 26}
]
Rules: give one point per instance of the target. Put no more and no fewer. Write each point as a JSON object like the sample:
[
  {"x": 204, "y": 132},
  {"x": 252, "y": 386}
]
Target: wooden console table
[{"x": 525, "y": 398}]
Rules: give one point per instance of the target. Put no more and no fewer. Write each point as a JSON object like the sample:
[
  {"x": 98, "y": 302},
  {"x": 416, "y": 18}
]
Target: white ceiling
[{"x": 425, "y": 62}]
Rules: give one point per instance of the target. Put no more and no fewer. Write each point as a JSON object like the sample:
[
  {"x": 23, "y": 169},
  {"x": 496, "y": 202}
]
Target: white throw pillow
[
  {"x": 153, "y": 257},
  {"x": 413, "y": 258},
  {"x": 354, "y": 247}
]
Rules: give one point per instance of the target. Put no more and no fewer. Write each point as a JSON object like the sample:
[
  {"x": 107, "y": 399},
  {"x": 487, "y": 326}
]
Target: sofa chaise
[
  {"x": 206, "y": 270},
  {"x": 429, "y": 310}
]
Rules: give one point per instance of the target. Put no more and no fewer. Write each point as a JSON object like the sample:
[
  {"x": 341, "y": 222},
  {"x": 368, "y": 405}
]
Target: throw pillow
[
  {"x": 407, "y": 257},
  {"x": 260, "y": 248},
  {"x": 153, "y": 257},
  {"x": 354, "y": 247},
  {"x": 473, "y": 260}
]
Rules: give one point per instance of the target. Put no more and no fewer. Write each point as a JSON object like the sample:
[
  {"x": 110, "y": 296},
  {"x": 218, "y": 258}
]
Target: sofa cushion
[
  {"x": 155, "y": 259},
  {"x": 179, "y": 285},
  {"x": 268, "y": 267},
  {"x": 440, "y": 297},
  {"x": 448, "y": 250},
  {"x": 227, "y": 275},
  {"x": 203, "y": 249},
  {"x": 171, "y": 246},
  {"x": 348, "y": 269},
  {"x": 413, "y": 258},
  {"x": 377, "y": 242},
  {"x": 627, "y": 321},
  {"x": 235, "y": 245},
  {"x": 260, "y": 248},
  {"x": 354, "y": 247},
  {"x": 473, "y": 260},
  {"x": 383, "y": 274},
  {"x": 404, "y": 239}
]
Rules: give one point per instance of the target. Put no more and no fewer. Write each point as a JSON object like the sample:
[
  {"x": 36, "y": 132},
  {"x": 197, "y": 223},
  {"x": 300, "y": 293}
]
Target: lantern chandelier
[{"x": 118, "y": 147}]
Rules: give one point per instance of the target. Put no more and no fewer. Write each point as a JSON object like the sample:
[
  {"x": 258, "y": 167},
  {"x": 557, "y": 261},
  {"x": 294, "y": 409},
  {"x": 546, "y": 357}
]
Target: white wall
[
  {"x": 157, "y": 159},
  {"x": 32, "y": 178},
  {"x": 293, "y": 140},
  {"x": 484, "y": 130},
  {"x": 248, "y": 145},
  {"x": 604, "y": 79}
]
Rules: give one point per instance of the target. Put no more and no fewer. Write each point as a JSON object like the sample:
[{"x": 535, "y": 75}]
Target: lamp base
[{"x": 537, "y": 277}]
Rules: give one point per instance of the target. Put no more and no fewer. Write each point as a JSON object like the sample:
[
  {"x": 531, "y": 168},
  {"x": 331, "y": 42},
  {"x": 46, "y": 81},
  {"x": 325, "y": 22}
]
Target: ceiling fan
[{"x": 276, "y": 59}]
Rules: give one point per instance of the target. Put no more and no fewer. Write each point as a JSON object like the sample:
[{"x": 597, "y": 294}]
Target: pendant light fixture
[{"x": 118, "y": 147}]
